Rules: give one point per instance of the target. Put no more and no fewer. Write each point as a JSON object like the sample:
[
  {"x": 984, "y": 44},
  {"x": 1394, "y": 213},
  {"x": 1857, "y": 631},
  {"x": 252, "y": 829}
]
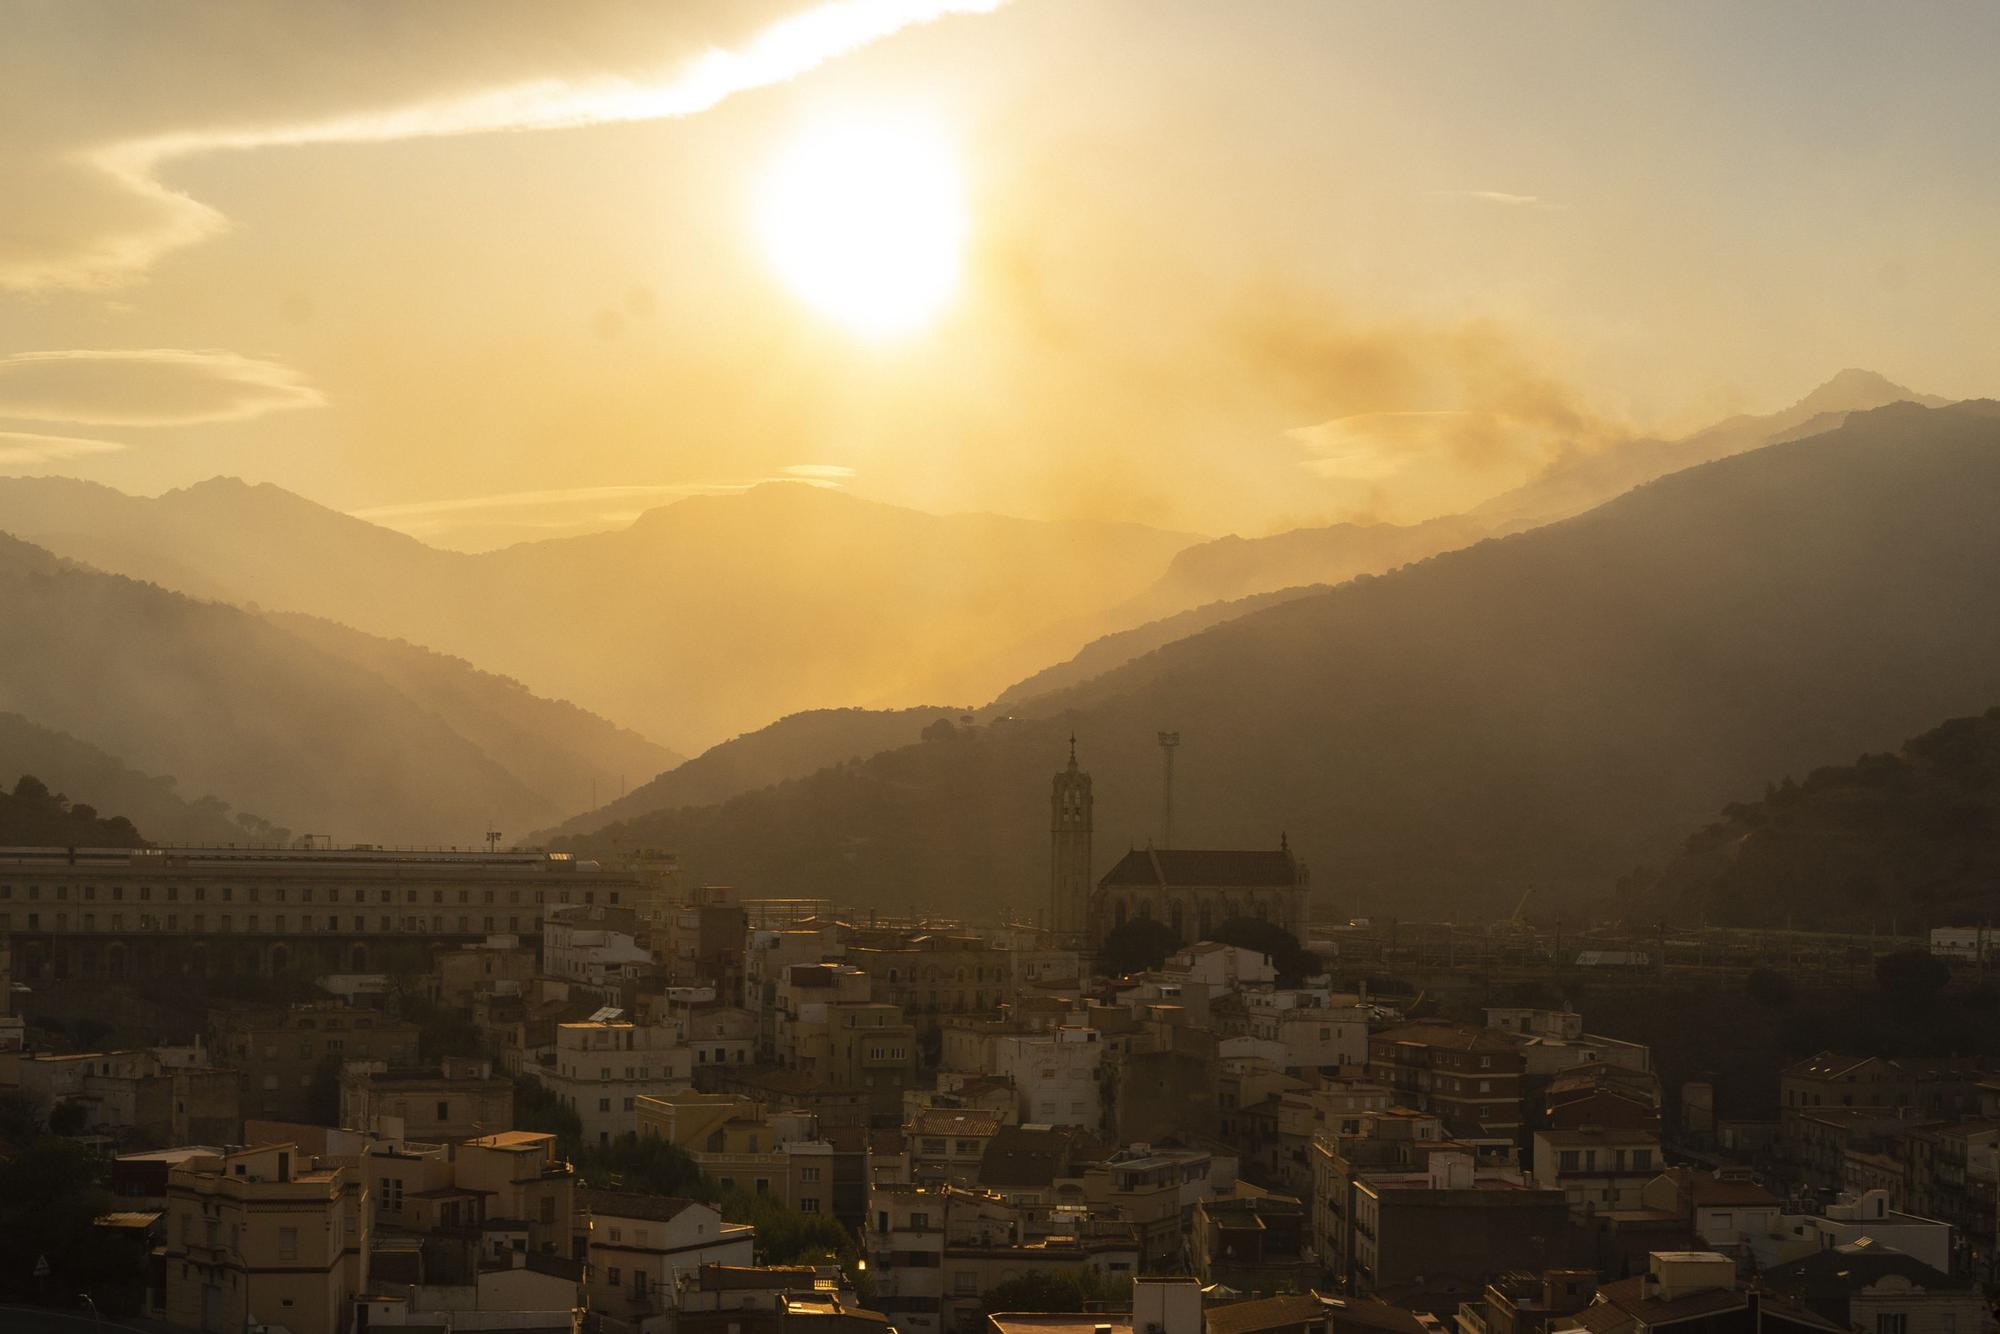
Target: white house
[
  {"x": 641, "y": 1246},
  {"x": 1055, "y": 1074},
  {"x": 603, "y": 1066}
]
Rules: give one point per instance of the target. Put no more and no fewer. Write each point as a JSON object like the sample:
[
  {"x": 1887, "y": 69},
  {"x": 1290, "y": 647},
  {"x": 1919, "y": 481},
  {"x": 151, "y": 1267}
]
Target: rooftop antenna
[{"x": 1168, "y": 742}]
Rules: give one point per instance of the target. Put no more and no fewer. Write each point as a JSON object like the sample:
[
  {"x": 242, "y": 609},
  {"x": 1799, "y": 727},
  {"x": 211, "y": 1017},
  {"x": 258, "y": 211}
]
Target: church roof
[{"x": 1196, "y": 868}]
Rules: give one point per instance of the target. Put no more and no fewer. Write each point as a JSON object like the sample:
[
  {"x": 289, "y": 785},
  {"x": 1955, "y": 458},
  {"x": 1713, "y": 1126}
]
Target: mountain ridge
[{"x": 1530, "y": 709}]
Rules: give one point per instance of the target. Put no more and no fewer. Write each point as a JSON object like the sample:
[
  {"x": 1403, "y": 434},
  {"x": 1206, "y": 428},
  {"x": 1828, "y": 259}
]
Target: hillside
[
  {"x": 1910, "y": 837},
  {"x": 568, "y": 755},
  {"x": 233, "y": 705},
  {"x": 1106, "y": 652},
  {"x": 1576, "y": 481},
  {"x": 33, "y": 816},
  {"x": 792, "y": 747},
  {"x": 1551, "y": 707},
  {"x": 152, "y": 803},
  {"x": 701, "y": 620},
  {"x": 1231, "y": 568},
  {"x": 1236, "y": 567}
]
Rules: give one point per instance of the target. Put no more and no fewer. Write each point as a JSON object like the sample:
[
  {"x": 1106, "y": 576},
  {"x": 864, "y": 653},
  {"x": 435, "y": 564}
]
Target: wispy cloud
[
  {"x": 19, "y": 448},
  {"x": 166, "y": 219},
  {"x": 148, "y": 387},
  {"x": 1504, "y": 198},
  {"x": 533, "y": 500},
  {"x": 512, "y": 515}
]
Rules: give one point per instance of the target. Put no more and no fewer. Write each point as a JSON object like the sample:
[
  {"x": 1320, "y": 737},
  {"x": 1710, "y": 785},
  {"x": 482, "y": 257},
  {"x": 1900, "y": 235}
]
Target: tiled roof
[
  {"x": 1270, "y": 1313},
  {"x": 1204, "y": 869},
  {"x": 631, "y": 1204},
  {"x": 953, "y": 1121},
  {"x": 1845, "y": 1270},
  {"x": 1457, "y": 1037}
]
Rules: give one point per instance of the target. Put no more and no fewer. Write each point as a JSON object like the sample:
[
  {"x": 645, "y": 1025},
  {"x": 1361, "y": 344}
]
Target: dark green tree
[
  {"x": 786, "y": 1236},
  {"x": 1911, "y": 979},
  {"x": 1768, "y": 987},
  {"x": 645, "y": 1164},
  {"x": 1051, "y": 1291},
  {"x": 1293, "y": 961},
  {"x": 1138, "y": 945}
]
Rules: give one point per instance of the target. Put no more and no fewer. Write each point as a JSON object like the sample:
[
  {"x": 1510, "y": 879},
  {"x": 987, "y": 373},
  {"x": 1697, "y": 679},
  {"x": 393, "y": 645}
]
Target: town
[{"x": 527, "y": 1091}]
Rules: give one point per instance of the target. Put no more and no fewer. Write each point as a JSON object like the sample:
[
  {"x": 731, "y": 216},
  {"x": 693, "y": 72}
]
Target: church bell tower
[{"x": 1069, "y": 850}]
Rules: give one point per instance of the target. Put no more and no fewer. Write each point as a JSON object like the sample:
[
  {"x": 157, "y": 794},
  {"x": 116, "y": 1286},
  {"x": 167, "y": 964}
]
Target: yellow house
[{"x": 262, "y": 1235}]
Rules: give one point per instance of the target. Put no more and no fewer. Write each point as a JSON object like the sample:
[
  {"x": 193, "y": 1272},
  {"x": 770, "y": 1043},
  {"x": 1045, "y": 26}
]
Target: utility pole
[{"x": 1168, "y": 742}]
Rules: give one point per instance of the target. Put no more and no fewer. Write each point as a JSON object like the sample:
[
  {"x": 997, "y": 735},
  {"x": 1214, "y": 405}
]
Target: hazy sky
[{"x": 501, "y": 269}]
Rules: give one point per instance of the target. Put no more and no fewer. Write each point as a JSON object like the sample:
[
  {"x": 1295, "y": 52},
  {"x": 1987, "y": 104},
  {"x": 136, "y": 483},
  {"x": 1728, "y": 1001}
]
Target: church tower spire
[{"x": 1069, "y": 849}]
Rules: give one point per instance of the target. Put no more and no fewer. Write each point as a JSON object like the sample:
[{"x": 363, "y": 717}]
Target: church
[{"x": 1191, "y": 890}]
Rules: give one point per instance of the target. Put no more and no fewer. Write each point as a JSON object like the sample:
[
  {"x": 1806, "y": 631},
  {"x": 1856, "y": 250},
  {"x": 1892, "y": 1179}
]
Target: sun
[{"x": 865, "y": 220}]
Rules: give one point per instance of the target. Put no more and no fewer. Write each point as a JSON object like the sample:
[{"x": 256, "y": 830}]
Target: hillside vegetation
[
  {"x": 151, "y": 802},
  {"x": 33, "y": 816},
  {"x": 231, "y": 704},
  {"x": 1908, "y": 838},
  {"x": 792, "y": 747}
]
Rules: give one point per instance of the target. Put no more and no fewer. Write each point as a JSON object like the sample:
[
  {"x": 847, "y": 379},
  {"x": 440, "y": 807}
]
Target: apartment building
[
  {"x": 947, "y": 1145},
  {"x": 459, "y": 1098},
  {"x": 1452, "y": 1225},
  {"x": 1466, "y": 1074},
  {"x": 1313, "y": 1030},
  {"x": 165, "y": 1095},
  {"x": 1598, "y": 1170},
  {"x": 604, "y": 1066},
  {"x": 1058, "y": 1076},
  {"x": 596, "y": 946},
  {"x": 140, "y": 912},
  {"x": 1254, "y": 1243},
  {"x": 642, "y": 1248},
  {"x": 282, "y": 1049},
  {"x": 832, "y": 1030},
  {"x": 739, "y": 1142},
  {"x": 528, "y": 1187},
  {"x": 264, "y": 1235}
]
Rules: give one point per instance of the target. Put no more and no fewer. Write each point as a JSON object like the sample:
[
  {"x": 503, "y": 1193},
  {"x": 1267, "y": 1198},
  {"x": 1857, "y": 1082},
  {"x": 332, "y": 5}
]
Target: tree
[
  {"x": 1294, "y": 962},
  {"x": 539, "y": 1110},
  {"x": 1768, "y": 987},
  {"x": 1139, "y": 944},
  {"x": 323, "y": 1094},
  {"x": 68, "y": 1118},
  {"x": 1055, "y": 1291},
  {"x": 1911, "y": 979},
  {"x": 786, "y": 1236},
  {"x": 645, "y": 1165},
  {"x": 22, "y": 1117}
]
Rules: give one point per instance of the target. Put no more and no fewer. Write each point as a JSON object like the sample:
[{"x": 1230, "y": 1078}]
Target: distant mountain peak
[{"x": 1853, "y": 390}]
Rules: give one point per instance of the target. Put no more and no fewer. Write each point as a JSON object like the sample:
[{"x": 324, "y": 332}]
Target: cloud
[
  {"x": 481, "y": 521},
  {"x": 1501, "y": 197},
  {"x": 1407, "y": 421},
  {"x": 140, "y": 217},
  {"x": 148, "y": 387},
  {"x": 536, "y": 500},
  {"x": 25, "y": 447}
]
